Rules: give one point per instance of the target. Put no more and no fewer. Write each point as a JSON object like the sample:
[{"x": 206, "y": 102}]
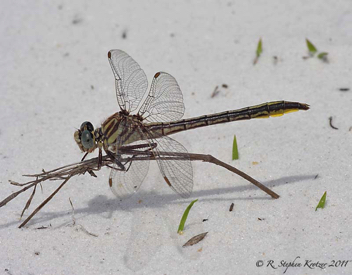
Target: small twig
[
  {"x": 86, "y": 231},
  {"x": 215, "y": 92},
  {"x": 79, "y": 226},
  {"x": 211, "y": 159},
  {"x": 29, "y": 201},
  {"x": 73, "y": 212},
  {"x": 231, "y": 207},
  {"x": 92, "y": 173},
  {"x": 42, "y": 204},
  {"x": 14, "y": 195},
  {"x": 42, "y": 227},
  {"x": 332, "y": 126}
]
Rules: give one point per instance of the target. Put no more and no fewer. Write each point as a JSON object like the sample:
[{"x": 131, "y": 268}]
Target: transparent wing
[
  {"x": 177, "y": 171},
  {"x": 125, "y": 183},
  {"x": 164, "y": 102},
  {"x": 130, "y": 80}
]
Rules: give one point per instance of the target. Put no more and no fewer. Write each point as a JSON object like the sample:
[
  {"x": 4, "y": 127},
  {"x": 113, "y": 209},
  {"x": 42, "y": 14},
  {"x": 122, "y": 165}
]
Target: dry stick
[
  {"x": 55, "y": 174},
  {"x": 91, "y": 164},
  {"x": 14, "y": 195},
  {"x": 29, "y": 201},
  {"x": 211, "y": 159},
  {"x": 43, "y": 203}
]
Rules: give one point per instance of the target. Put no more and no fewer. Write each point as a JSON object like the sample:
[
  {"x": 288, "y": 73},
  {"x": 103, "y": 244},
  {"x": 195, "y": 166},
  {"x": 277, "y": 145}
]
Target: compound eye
[
  {"x": 87, "y": 139},
  {"x": 87, "y": 126}
]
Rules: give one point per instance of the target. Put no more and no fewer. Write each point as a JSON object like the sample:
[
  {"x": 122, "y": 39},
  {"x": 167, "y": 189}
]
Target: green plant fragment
[
  {"x": 311, "y": 48},
  {"x": 184, "y": 217},
  {"x": 321, "y": 203},
  {"x": 234, "y": 148},
  {"x": 323, "y": 55},
  {"x": 259, "y": 48}
]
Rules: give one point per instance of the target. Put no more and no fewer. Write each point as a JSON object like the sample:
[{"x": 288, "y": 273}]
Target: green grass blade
[
  {"x": 259, "y": 48},
  {"x": 258, "y": 51},
  {"x": 311, "y": 48},
  {"x": 321, "y": 203},
  {"x": 234, "y": 148},
  {"x": 323, "y": 56},
  {"x": 184, "y": 217}
]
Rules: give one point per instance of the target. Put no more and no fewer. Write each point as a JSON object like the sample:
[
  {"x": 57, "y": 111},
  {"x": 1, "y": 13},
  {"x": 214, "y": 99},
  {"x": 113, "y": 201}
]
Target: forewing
[
  {"x": 130, "y": 80},
  {"x": 125, "y": 183},
  {"x": 165, "y": 101},
  {"x": 176, "y": 170}
]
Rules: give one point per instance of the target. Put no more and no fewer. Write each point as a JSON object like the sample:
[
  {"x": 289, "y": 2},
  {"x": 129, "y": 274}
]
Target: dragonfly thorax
[{"x": 120, "y": 129}]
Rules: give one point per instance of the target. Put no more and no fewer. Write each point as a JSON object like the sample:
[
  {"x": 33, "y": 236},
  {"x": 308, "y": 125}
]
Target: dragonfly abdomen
[{"x": 265, "y": 110}]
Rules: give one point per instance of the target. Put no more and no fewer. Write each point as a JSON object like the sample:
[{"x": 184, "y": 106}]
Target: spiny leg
[
  {"x": 115, "y": 160},
  {"x": 100, "y": 159},
  {"x": 149, "y": 146},
  {"x": 131, "y": 149},
  {"x": 86, "y": 154}
]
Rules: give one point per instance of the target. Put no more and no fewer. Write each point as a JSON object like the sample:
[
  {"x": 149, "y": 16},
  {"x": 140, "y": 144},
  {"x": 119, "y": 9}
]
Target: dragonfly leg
[
  {"x": 132, "y": 149},
  {"x": 130, "y": 163},
  {"x": 86, "y": 154},
  {"x": 115, "y": 160},
  {"x": 114, "y": 167},
  {"x": 148, "y": 146},
  {"x": 100, "y": 159},
  {"x": 152, "y": 146}
]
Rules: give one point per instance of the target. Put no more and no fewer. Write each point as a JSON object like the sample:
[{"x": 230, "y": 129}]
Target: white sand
[{"x": 51, "y": 53}]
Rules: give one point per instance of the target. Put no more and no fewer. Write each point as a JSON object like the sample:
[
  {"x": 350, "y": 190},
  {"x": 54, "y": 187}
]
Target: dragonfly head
[{"x": 85, "y": 137}]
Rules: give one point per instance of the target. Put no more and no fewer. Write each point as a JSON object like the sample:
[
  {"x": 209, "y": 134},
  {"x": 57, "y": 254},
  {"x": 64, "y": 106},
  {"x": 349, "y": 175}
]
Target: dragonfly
[{"x": 142, "y": 128}]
